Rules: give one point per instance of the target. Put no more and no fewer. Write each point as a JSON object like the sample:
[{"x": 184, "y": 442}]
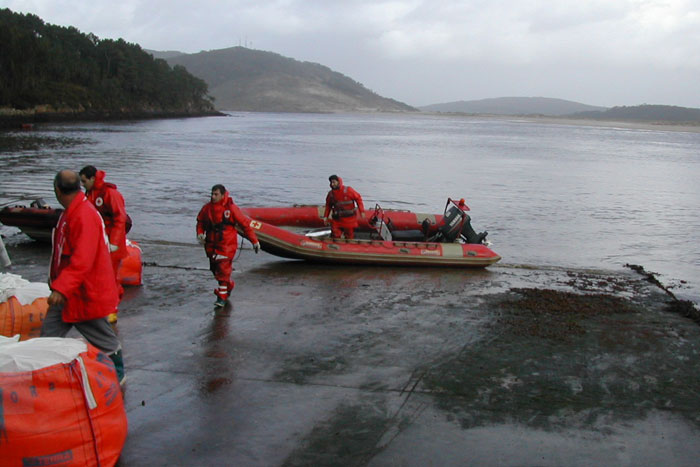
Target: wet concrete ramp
[{"x": 323, "y": 365}]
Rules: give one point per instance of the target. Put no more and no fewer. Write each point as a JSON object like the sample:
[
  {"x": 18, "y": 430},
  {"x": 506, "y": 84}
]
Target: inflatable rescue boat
[
  {"x": 287, "y": 244},
  {"x": 311, "y": 217},
  {"x": 36, "y": 220}
]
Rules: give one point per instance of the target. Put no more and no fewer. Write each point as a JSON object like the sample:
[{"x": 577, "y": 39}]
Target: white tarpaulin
[
  {"x": 34, "y": 354},
  {"x": 24, "y": 291}
]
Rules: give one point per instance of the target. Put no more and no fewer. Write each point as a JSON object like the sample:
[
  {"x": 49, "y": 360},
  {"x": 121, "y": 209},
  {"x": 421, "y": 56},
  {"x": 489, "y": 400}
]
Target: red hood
[
  {"x": 218, "y": 207},
  {"x": 224, "y": 199},
  {"x": 340, "y": 184},
  {"x": 99, "y": 180}
]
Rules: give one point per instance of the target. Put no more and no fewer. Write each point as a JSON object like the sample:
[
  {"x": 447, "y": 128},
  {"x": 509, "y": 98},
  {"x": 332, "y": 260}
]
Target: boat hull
[
  {"x": 36, "y": 223},
  {"x": 286, "y": 244}
]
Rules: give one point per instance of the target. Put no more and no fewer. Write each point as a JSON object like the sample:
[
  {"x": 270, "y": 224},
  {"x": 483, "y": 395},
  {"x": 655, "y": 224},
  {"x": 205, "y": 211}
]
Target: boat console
[{"x": 384, "y": 229}]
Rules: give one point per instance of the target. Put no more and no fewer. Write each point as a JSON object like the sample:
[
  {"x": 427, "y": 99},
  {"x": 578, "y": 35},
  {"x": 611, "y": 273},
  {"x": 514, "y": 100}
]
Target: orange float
[
  {"x": 131, "y": 270},
  {"x": 25, "y": 320},
  {"x": 22, "y": 306},
  {"x": 68, "y": 412}
]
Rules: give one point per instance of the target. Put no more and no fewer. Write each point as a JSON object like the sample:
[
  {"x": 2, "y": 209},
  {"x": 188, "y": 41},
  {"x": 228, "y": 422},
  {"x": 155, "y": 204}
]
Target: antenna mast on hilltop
[{"x": 246, "y": 43}]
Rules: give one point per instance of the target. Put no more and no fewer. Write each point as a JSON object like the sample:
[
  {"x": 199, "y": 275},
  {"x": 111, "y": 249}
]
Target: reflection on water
[{"x": 549, "y": 194}]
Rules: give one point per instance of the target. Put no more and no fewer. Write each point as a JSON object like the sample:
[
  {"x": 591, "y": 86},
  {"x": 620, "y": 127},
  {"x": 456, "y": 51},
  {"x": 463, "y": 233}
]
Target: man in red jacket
[
  {"x": 216, "y": 230},
  {"x": 341, "y": 201},
  {"x": 110, "y": 204},
  {"x": 83, "y": 289}
]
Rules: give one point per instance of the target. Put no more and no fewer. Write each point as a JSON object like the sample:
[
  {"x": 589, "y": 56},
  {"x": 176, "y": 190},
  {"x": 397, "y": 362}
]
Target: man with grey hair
[{"x": 83, "y": 288}]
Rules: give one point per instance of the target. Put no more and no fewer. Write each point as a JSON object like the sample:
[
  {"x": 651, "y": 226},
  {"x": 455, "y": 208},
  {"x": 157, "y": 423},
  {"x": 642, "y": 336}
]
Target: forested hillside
[{"x": 46, "y": 68}]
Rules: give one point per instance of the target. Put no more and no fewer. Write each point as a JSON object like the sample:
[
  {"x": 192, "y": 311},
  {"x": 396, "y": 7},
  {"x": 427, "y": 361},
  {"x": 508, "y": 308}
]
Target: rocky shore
[{"x": 18, "y": 119}]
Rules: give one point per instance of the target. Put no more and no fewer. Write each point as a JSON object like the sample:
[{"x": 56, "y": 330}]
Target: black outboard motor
[
  {"x": 470, "y": 235},
  {"x": 456, "y": 223},
  {"x": 452, "y": 224}
]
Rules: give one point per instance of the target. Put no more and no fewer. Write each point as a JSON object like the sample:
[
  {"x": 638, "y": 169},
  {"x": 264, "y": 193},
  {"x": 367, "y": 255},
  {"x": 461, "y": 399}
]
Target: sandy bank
[{"x": 693, "y": 127}]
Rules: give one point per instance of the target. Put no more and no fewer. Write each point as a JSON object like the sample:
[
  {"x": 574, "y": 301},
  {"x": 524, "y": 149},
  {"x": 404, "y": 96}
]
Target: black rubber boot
[{"x": 119, "y": 366}]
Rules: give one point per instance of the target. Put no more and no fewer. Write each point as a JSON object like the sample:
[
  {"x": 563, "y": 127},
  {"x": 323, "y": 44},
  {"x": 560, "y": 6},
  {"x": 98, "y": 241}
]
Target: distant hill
[
  {"x": 514, "y": 106},
  {"x": 646, "y": 112},
  {"x": 253, "y": 80},
  {"x": 165, "y": 54}
]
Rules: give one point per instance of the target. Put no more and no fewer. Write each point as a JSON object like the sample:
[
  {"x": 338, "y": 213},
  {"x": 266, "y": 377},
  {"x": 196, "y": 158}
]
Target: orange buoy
[
  {"x": 25, "y": 320},
  {"x": 60, "y": 404},
  {"x": 131, "y": 270},
  {"x": 22, "y": 306}
]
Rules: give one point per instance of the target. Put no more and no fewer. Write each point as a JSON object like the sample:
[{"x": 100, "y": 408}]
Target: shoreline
[
  {"x": 627, "y": 124},
  {"x": 690, "y": 127},
  {"x": 26, "y": 120},
  {"x": 15, "y": 119}
]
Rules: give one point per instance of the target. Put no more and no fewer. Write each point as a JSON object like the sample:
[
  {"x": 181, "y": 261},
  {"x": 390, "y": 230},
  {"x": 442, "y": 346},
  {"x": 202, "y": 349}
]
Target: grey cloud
[{"x": 603, "y": 52}]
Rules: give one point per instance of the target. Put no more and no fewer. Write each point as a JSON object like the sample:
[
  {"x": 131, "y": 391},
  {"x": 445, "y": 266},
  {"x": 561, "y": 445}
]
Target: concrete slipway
[{"x": 322, "y": 365}]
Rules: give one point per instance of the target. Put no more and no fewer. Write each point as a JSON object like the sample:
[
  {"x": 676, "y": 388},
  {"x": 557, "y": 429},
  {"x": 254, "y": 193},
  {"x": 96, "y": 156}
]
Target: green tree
[{"x": 44, "y": 64}]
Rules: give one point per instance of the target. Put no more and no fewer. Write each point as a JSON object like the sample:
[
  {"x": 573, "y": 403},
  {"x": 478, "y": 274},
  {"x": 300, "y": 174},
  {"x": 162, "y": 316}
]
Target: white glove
[
  {"x": 113, "y": 248},
  {"x": 256, "y": 247},
  {"x": 201, "y": 238}
]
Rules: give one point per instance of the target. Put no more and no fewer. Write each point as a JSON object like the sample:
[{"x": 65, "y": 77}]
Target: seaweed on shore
[
  {"x": 555, "y": 314},
  {"x": 554, "y": 359},
  {"x": 685, "y": 308}
]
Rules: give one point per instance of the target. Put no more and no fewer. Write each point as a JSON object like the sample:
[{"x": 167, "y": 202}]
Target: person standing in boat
[
  {"x": 83, "y": 289},
  {"x": 216, "y": 230},
  {"x": 110, "y": 204},
  {"x": 344, "y": 203}
]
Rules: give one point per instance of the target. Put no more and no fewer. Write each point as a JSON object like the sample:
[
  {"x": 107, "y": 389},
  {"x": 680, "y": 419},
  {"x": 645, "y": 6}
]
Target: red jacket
[
  {"x": 342, "y": 202},
  {"x": 81, "y": 268},
  {"x": 110, "y": 204},
  {"x": 218, "y": 221}
]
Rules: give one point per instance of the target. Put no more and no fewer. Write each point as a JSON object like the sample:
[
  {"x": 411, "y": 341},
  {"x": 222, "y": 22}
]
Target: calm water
[{"x": 549, "y": 194}]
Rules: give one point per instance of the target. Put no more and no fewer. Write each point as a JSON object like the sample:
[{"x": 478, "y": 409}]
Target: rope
[
  {"x": 172, "y": 266},
  {"x": 240, "y": 248},
  {"x": 153, "y": 264}
]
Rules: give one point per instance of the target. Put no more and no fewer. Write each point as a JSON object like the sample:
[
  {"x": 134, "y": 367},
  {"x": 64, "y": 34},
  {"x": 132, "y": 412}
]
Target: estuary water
[{"x": 549, "y": 194}]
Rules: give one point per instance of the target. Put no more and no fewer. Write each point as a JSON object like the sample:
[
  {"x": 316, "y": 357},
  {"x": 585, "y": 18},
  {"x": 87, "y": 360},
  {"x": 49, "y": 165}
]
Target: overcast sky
[{"x": 598, "y": 52}]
